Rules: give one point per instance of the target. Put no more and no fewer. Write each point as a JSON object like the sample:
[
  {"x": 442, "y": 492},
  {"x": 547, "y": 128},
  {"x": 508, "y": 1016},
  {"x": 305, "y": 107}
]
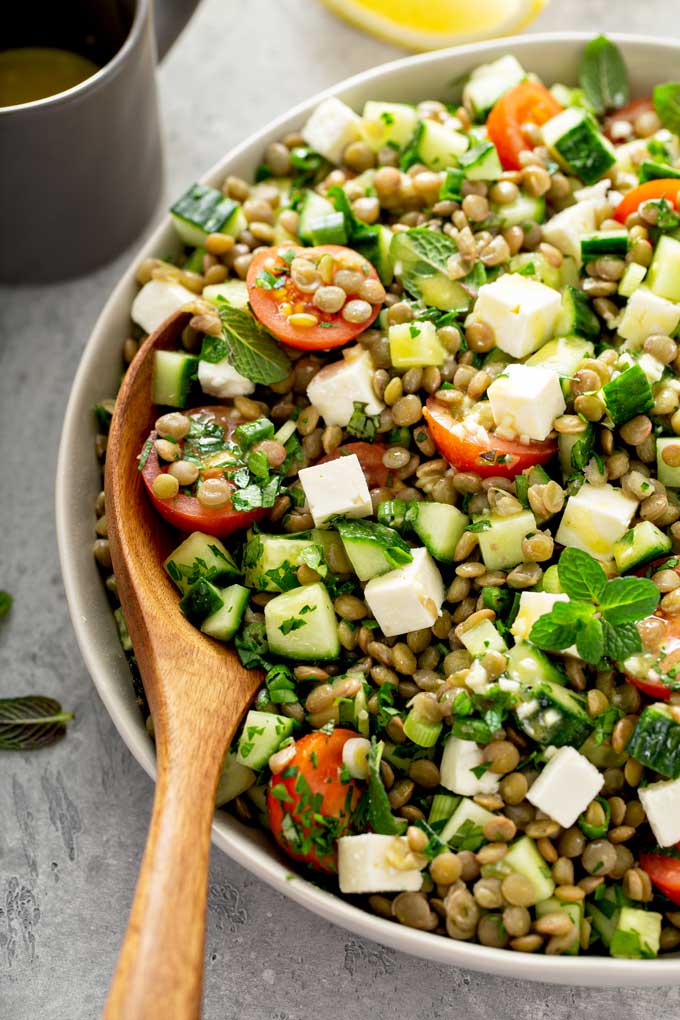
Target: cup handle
[{"x": 170, "y": 18}]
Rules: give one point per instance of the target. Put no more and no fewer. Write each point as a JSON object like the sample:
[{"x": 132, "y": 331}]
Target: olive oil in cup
[{"x": 29, "y": 73}]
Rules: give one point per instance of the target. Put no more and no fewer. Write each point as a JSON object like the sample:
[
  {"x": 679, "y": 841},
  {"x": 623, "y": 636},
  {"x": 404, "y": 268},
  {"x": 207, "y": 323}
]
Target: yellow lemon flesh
[{"x": 433, "y": 24}]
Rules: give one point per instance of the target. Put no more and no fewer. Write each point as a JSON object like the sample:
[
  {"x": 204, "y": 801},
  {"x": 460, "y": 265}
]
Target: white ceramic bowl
[{"x": 555, "y": 58}]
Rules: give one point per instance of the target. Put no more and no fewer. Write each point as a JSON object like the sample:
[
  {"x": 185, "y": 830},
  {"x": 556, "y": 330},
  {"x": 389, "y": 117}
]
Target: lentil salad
[{"x": 433, "y": 751}]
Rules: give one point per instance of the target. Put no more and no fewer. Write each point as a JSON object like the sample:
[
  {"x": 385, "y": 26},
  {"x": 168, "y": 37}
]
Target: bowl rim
[{"x": 227, "y": 833}]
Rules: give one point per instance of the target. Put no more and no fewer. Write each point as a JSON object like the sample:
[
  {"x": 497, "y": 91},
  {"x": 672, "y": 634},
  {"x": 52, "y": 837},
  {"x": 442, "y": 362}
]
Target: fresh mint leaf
[
  {"x": 252, "y": 647},
  {"x": 425, "y": 254},
  {"x": 569, "y": 613},
  {"x": 621, "y": 641},
  {"x": 551, "y": 636},
  {"x": 605, "y": 723},
  {"x": 379, "y": 808},
  {"x": 603, "y": 75},
  {"x": 627, "y": 599},
  {"x": 667, "y": 105},
  {"x": 5, "y": 603},
  {"x": 31, "y": 722},
  {"x": 251, "y": 349},
  {"x": 590, "y": 640},
  {"x": 213, "y": 349},
  {"x": 581, "y": 576}
]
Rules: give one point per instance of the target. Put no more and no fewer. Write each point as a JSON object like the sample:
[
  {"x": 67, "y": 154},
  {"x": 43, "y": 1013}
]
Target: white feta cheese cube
[
  {"x": 331, "y": 127},
  {"x": 661, "y": 802},
  {"x": 336, "y": 388},
  {"x": 525, "y": 400},
  {"x": 408, "y": 598},
  {"x": 477, "y": 678},
  {"x": 337, "y": 487},
  {"x": 460, "y": 757},
  {"x": 595, "y": 518},
  {"x": 220, "y": 379},
  {"x": 156, "y": 301},
  {"x": 566, "y": 228},
  {"x": 520, "y": 311},
  {"x": 566, "y": 786},
  {"x": 647, "y": 313},
  {"x": 372, "y": 863}
]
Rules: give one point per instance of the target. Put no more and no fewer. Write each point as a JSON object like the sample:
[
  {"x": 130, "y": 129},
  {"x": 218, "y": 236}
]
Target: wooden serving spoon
[{"x": 198, "y": 692}]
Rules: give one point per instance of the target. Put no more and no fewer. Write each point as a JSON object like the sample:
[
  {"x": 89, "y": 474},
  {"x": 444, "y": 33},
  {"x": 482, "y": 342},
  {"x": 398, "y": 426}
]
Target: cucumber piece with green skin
[
  {"x": 526, "y": 664},
  {"x": 202, "y": 600},
  {"x": 225, "y": 622},
  {"x": 423, "y": 278},
  {"x": 575, "y": 450},
  {"x": 334, "y": 551},
  {"x": 523, "y": 858},
  {"x": 655, "y": 740},
  {"x": 667, "y": 474},
  {"x": 604, "y": 242},
  {"x": 173, "y": 376},
  {"x": 591, "y": 831},
  {"x": 328, "y": 229},
  {"x": 500, "y": 538},
  {"x": 203, "y": 210},
  {"x": 372, "y": 549},
  {"x": 438, "y": 146},
  {"x": 234, "y": 292},
  {"x": 387, "y": 124},
  {"x": 301, "y": 624},
  {"x": 194, "y": 262},
  {"x": 632, "y": 278},
  {"x": 452, "y": 185},
  {"x": 639, "y": 545},
  {"x": 483, "y": 638},
  {"x": 271, "y": 561},
  {"x": 574, "y": 911},
  {"x": 234, "y": 780},
  {"x": 524, "y": 209},
  {"x": 481, "y": 162},
  {"x": 637, "y": 934},
  {"x": 530, "y": 263},
  {"x": 551, "y": 714},
  {"x": 574, "y": 139},
  {"x": 439, "y": 527},
  {"x": 313, "y": 207},
  {"x": 465, "y": 827},
  {"x": 662, "y": 276},
  {"x": 577, "y": 317},
  {"x": 551, "y": 580},
  {"x": 489, "y": 82},
  {"x": 442, "y": 807},
  {"x": 263, "y": 733},
  {"x": 604, "y": 914},
  {"x": 651, "y": 171},
  {"x": 628, "y": 395},
  {"x": 563, "y": 355},
  {"x": 415, "y": 345},
  {"x": 200, "y": 556}
]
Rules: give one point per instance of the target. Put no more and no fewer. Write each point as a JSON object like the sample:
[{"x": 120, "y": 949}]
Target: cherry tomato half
[
  {"x": 483, "y": 452},
  {"x": 370, "y": 457},
  {"x": 664, "y": 873},
  {"x": 670, "y": 647},
  {"x": 526, "y": 103},
  {"x": 310, "y": 805},
  {"x": 664, "y": 187},
  {"x": 184, "y": 512},
  {"x": 630, "y": 112},
  {"x": 274, "y": 302}
]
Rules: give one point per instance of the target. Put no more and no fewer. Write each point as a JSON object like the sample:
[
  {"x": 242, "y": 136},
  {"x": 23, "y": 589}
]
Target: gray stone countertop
[{"x": 73, "y": 819}]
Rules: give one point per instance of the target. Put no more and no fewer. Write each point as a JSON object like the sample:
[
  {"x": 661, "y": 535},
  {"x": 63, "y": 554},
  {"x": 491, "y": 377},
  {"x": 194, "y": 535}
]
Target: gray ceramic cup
[{"x": 81, "y": 172}]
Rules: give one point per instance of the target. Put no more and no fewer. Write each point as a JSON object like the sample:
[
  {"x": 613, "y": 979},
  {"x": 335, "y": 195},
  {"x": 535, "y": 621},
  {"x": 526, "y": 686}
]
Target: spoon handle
[{"x": 160, "y": 967}]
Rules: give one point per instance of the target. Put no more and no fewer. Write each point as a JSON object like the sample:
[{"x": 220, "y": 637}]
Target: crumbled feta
[
  {"x": 460, "y": 757},
  {"x": 336, "y": 388},
  {"x": 595, "y": 518},
  {"x": 408, "y": 598},
  {"x": 477, "y": 678},
  {"x": 156, "y": 301},
  {"x": 525, "y": 400},
  {"x": 661, "y": 802},
  {"x": 520, "y": 311},
  {"x": 566, "y": 786},
  {"x": 331, "y": 128},
  {"x": 565, "y": 230},
  {"x": 647, "y": 313},
  {"x": 336, "y": 487},
  {"x": 220, "y": 379},
  {"x": 371, "y": 863}
]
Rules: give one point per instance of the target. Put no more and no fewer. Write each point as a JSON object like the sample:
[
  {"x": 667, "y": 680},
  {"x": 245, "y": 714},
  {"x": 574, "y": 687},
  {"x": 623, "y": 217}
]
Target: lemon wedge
[{"x": 433, "y": 24}]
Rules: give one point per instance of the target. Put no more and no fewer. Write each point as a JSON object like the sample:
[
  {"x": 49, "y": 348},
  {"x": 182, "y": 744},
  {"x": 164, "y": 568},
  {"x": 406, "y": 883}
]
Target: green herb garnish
[{"x": 31, "y": 722}]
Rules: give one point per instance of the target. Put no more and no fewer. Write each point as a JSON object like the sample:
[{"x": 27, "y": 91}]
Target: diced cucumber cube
[
  {"x": 372, "y": 548},
  {"x": 198, "y": 556},
  {"x": 482, "y": 639},
  {"x": 263, "y": 733},
  {"x": 563, "y": 355},
  {"x": 523, "y": 858},
  {"x": 415, "y": 345},
  {"x": 173, "y": 375},
  {"x": 387, "y": 124},
  {"x": 235, "y": 292},
  {"x": 655, "y": 740},
  {"x": 637, "y": 934},
  {"x": 203, "y": 210},
  {"x": 668, "y": 474},
  {"x": 632, "y": 278},
  {"x": 575, "y": 141},
  {"x": 440, "y": 146},
  {"x": 301, "y": 624},
  {"x": 439, "y": 527},
  {"x": 465, "y": 828},
  {"x": 524, "y": 209},
  {"x": 224, "y": 623},
  {"x": 271, "y": 561},
  {"x": 527, "y": 663},
  {"x": 202, "y": 600},
  {"x": 551, "y": 714},
  {"x": 641, "y": 544},
  {"x": 663, "y": 277},
  {"x": 481, "y": 162},
  {"x": 489, "y": 82},
  {"x": 500, "y": 539},
  {"x": 312, "y": 208},
  {"x": 575, "y": 913},
  {"x": 234, "y": 780}
]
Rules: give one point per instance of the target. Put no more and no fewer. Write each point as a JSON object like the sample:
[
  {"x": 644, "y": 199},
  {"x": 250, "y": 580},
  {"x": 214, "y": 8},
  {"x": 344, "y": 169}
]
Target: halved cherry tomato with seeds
[
  {"x": 278, "y": 301},
  {"x": 668, "y": 655},
  {"x": 370, "y": 457},
  {"x": 310, "y": 803},
  {"x": 470, "y": 447},
  {"x": 664, "y": 187},
  {"x": 184, "y": 511},
  {"x": 664, "y": 873},
  {"x": 526, "y": 103}
]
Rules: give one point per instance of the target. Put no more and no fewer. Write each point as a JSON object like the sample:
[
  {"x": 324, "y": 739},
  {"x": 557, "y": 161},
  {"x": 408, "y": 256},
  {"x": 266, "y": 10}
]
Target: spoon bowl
[{"x": 197, "y": 691}]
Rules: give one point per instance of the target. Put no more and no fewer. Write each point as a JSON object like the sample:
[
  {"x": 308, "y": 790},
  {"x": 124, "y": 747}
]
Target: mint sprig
[
  {"x": 250, "y": 348},
  {"x": 600, "y": 616}
]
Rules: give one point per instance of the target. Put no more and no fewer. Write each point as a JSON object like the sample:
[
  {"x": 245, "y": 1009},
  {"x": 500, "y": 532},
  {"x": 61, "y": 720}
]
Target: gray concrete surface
[{"x": 73, "y": 819}]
